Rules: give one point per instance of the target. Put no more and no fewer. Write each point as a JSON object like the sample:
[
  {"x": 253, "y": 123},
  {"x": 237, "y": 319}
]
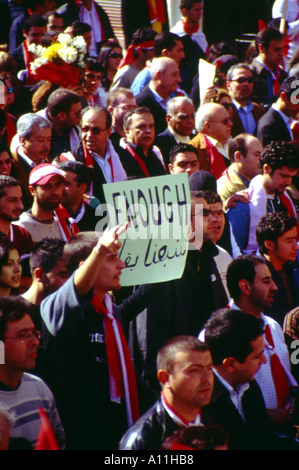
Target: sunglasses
[
  {"x": 224, "y": 121},
  {"x": 116, "y": 55},
  {"x": 227, "y": 105},
  {"x": 243, "y": 80},
  {"x": 94, "y": 130}
]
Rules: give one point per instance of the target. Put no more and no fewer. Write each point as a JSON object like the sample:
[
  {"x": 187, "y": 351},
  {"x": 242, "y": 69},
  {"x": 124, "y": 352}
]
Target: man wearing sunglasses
[
  {"x": 21, "y": 392},
  {"x": 96, "y": 150},
  {"x": 213, "y": 124},
  {"x": 246, "y": 114}
]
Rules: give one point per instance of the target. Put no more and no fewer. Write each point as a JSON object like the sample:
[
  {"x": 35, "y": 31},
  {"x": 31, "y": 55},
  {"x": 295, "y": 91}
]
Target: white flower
[
  {"x": 37, "y": 63},
  {"x": 37, "y": 50},
  {"x": 65, "y": 39},
  {"x": 79, "y": 43},
  {"x": 68, "y": 54}
]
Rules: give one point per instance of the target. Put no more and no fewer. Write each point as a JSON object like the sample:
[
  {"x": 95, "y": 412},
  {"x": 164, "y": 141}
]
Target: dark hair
[
  {"x": 104, "y": 55},
  {"x": 79, "y": 28},
  {"x": 181, "y": 148},
  {"x": 167, "y": 354},
  {"x": 4, "y": 148},
  {"x": 3, "y": 119},
  {"x": 7, "y": 182},
  {"x": 230, "y": 72},
  {"x": 272, "y": 226},
  {"x": 209, "y": 196},
  {"x": 279, "y": 154},
  {"x": 145, "y": 33},
  {"x": 84, "y": 174},
  {"x": 242, "y": 267},
  {"x": 98, "y": 109},
  {"x": 128, "y": 116},
  {"x": 287, "y": 85},
  {"x": 12, "y": 309},
  {"x": 78, "y": 248},
  {"x": 237, "y": 144},
  {"x": 61, "y": 100},
  {"x": 46, "y": 253},
  {"x": 198, "y": 437},
  {"x": 165, "y": 40},
  {"x": 266, "y": 35},
  {"x": 229, "y": 332},
  {"x": 6, "y": 246},
  {"x": 94, "y": 65},
  {"x": 32, "y": 21},
  {"x": 188, "y": 4}
]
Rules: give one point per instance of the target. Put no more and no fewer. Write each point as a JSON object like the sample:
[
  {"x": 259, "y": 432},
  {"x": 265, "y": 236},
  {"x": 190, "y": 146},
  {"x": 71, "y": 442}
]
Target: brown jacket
[{"x": 258, "y": 111}]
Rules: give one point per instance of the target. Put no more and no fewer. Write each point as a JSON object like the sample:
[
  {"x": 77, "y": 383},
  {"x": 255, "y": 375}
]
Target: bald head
[{"x": 213, "y": 120}]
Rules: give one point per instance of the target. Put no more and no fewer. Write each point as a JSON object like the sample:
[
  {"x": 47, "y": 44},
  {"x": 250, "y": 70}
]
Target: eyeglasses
[
  {"x": 207, "y": 212},
  {"x": 184, "y": 117},
  {"x": 243, "y": 80},
  {"x": 227, "y": 105},
  {"x": 8, "y": 161},
  {"x": 116, "y": 55},
  {"x": 224, "y": 121},
  {"x": 93, "y": 130},
  {"x": 26, "y": 336}
]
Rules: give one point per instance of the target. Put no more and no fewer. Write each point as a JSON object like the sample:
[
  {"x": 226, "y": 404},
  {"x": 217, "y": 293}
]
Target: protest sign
[{"x": 155, "y": 245}]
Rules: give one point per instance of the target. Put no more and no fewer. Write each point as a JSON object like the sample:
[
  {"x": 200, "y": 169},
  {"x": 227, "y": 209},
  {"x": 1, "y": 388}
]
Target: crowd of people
[{"x": 204, "y": 362}]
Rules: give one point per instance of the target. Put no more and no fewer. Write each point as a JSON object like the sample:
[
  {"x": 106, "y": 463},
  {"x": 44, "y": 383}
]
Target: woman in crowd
[
  {"x": 109, "y": 57},
  {"x": 10, "y": 267}
]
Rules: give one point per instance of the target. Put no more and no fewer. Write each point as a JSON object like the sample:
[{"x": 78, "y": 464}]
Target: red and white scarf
[
  {"x": 125, "y": 145},
  {"x": 122, "y": 377},
  {"x": 177, "y": 418}
]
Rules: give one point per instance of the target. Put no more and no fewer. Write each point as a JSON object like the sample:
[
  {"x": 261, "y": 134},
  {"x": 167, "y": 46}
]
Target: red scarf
[
  {"x": 190, "y": 29},
  {"x": 138, "y": 160},
  {"x": 121, "y": 370},
  {"x": 129, "y": 57},
  {"x": 62, "y": 216},
  {"x": 28, "y": 58},
  {"x": 278, "y": 373},
  {"x": 216, "y": 158},
  {"x": 11, "y": 129},
  {"x": 89, "y": 161},
  {"x": 180, "y": 418}
]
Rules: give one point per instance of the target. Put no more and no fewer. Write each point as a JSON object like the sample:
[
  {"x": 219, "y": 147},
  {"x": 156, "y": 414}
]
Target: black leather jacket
[{"x": 152, "y": 428}]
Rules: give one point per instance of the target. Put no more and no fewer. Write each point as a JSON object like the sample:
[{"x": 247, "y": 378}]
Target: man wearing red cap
[{"x": 44, "y": 219}]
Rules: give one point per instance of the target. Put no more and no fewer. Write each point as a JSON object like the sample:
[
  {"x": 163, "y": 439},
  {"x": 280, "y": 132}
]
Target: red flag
[{"x": 46, "y": 439}]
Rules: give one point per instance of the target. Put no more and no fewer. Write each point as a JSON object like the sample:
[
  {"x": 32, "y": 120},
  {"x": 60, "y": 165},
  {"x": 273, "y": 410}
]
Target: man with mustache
[
  {"x": 32, "y": 147},
  {"x": 45, "y": 219}
]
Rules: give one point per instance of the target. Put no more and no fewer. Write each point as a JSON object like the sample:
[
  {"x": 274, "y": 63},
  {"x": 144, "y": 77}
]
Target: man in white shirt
[{"x": 252, "y": 290}]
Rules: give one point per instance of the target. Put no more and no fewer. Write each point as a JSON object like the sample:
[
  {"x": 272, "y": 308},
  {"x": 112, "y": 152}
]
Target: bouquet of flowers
[{"x": 60, "y": 63}]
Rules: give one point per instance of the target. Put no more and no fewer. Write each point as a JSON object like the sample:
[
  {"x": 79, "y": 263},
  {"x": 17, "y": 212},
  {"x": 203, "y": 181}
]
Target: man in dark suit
[
  {"x": 237, "y": 347},
  {"x": 276, "y": 124},
  {"x": 165, "y": 77},
  {"x": 180, "y": 118},
  {"x": 246, "y": 114}
]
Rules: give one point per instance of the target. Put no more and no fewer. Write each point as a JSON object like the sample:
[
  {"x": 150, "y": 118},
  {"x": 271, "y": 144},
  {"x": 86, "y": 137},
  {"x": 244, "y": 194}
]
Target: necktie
[{"x": 278, "y": 373}]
